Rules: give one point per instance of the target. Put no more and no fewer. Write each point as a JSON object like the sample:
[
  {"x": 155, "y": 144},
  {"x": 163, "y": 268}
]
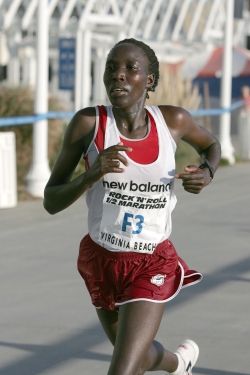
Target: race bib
[{"x": 132, "y": 221}]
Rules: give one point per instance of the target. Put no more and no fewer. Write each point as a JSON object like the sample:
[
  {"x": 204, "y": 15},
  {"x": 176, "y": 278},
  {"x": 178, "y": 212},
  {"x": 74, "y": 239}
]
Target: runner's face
[{"x": 125, "y": 77}]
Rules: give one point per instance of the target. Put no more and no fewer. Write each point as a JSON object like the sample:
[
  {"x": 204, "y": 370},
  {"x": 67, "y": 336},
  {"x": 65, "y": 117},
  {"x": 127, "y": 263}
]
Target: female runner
[{"x": 127, "y": 261}]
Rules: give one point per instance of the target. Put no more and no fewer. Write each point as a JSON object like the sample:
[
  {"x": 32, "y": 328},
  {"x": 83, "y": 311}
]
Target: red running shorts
[{"x": 116, "y": 278}]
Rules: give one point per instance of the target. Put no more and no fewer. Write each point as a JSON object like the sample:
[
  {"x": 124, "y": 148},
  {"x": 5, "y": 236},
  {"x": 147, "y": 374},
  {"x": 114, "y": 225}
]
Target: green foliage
[
  {"x": 238, "y": 159},
  {"x": 20, "y": 102},
  {"x": 224, "y": 161},
  {"x": 186, "y": 155}
]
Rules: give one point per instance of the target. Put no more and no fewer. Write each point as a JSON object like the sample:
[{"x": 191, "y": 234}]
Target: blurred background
[{"x": 52, "y": 58}]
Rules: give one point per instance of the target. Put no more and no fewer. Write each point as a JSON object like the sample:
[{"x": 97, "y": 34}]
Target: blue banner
[{"x": 67, "y": 63}]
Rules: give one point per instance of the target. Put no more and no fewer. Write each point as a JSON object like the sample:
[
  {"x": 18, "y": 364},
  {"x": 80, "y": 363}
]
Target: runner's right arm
[{"x": 60, "y": 192}]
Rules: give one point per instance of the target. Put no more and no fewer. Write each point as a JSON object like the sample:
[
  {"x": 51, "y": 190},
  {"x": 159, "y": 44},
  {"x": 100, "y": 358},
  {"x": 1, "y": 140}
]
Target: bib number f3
[{"x": 132, "y": 220}]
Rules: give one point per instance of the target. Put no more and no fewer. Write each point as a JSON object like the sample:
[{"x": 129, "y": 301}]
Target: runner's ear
[{"x": 150, "y": 81}]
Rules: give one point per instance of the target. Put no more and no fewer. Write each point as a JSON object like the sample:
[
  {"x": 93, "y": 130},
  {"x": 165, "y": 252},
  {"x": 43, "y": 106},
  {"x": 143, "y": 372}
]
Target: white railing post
[
  {"x": 13, "y": 71},
  {"x": 83, "y": 69},
  {"x": 78, "y": 71},
  {"x": 226, "y": 86},
  {"x": 244, "y": 133},
  {"x": 99, "y": 67},
  {"x": 86, "y": 68},
  {"x": 39, "y": 171},
  {"x": 8, "y": 180}
]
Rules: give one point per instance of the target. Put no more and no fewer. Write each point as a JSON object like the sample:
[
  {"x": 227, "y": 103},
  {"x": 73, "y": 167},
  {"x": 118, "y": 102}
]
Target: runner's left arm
[{"x": 183, "y": 127}]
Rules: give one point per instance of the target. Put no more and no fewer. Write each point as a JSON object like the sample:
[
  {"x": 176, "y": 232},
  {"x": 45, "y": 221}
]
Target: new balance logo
[{"x": 158, "y": 280}]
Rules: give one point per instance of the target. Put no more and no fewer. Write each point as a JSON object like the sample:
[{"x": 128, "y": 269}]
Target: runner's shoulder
[
  {"x": 178, "y": 120},
  {"x": 81, "y": 127},
  {"x": 174, "y": 115},
  {"x": 84, "y": 120}
]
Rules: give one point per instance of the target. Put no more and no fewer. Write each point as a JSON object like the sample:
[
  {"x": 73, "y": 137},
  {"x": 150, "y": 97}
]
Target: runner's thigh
[
  {"x": 138, "y": 323},
  {"x": 109, "y": 321}
]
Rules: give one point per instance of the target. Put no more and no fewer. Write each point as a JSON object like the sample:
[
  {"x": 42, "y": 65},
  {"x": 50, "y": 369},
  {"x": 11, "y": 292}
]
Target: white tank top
[{"x": 131, "y": 211}]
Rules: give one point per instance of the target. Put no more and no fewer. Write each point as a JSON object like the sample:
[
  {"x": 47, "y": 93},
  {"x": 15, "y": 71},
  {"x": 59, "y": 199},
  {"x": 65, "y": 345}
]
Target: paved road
[{"x": 48, "y": 325}]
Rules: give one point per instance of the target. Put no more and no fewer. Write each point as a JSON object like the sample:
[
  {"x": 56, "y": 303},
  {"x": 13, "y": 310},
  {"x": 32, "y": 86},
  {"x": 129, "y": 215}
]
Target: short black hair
[{"x": 153, "y": 63}]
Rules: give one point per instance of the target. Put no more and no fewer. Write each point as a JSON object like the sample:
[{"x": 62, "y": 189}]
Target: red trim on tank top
[
  {"x": 149, "y": 144},
  {"x": 86, "y": 160},
  {"x": 100, "y": 135}
]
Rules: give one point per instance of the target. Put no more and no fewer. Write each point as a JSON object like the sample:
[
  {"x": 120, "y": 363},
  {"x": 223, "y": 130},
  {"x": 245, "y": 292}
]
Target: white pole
[
  {"x": 226, "y": 86},
  {"x": 39, "y": 171},
  {"x": 29, "y": 68},
  {"x": 13, "y": 71},
  {"x": 78, "y": 70},
  {"x": 83, "y": 69},
  {"x": 86, "y": 68},
  {"x": 8, "y": 180},
  {"x": 99, "y": 67}
]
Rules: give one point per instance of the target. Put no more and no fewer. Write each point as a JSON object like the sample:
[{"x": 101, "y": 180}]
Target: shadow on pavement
[
  {"x": 42, "y": 357},
  {"x": 214, "y": 280}
]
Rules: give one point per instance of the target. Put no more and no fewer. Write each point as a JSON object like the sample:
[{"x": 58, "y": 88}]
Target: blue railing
[
  {"x": 217, "y": 111},
  {"x": 21, "y": 120}
]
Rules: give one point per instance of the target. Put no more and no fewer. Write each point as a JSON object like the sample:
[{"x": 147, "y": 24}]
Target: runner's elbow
[
  {"x": 48, "y": 207},
  {"x": 48, "y": 203}
]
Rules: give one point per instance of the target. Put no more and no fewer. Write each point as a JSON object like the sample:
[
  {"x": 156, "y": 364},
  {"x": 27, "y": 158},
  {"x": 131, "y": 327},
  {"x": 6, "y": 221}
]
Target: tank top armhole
[
  {"x": 158, "y": 112},
  {"x": 95, "y": 133},
  {"x": 100, "y": 128}
]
